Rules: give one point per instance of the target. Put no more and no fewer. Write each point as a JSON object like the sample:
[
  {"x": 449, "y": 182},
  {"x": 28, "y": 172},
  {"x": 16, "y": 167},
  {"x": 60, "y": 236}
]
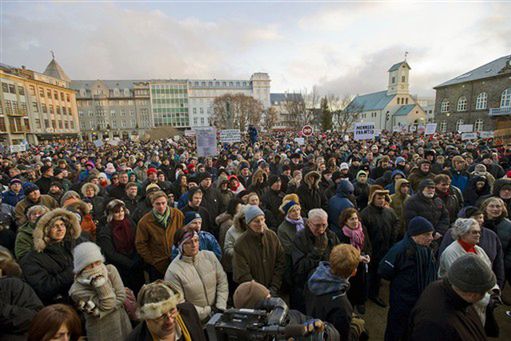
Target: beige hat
[{"x": 249, "y": 294}]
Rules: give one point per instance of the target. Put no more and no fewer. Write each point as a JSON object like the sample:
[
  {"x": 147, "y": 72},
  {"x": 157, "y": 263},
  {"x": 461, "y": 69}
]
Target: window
[
  {"x": 54, "y": 124},
  {"x": 57, "y": 109},
  {"x": 202, "y": 120},
  {"x": 67, "y": 98},
  {"x": 403, "y": 79},
  {"x": 5, "y": 87},
  {"x": 445, "y": 106},
  {"x": 35, "y": 107},
  {"x": 46, "y": 123},
  {"x": 195, "y": 120},
  {"x": 406, "y": 101},
  {"x": 60, "y": 125},
  {"x": 38, "y": 123},
  {"x": 72, "y": 123},
  {"x": 462, "y": 103},
  {"x": 12, "y": 88},
  {"x": 31, "y": 88},
  {"x": 458, "y": 124},
  {"x": 21, "y": 90},
  {"x": 478, "y": 126},
  {"x": 62, "y": 96},
  {"x": 27, "y": 124},
  {"x": 194, "y": 110},
  {"x": 48, "y": 93},
  {"x": 393, "y": 80},
  {"x": 41, "y": 92},
  {"x": 201, "y": 110},
  {"x": 482, "y": 101},
  {"x": 505, "y": 99},
  {"x": 45, "y": 109},
  {"x": 51, "y": 108},
  {"x": 398, "y": 100},
  {"x": 2, "y": 124}
]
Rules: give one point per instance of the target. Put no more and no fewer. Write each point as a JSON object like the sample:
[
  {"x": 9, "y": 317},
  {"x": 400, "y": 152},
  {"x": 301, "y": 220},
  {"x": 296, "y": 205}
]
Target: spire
[
  {"x": 55, "y": 70},
  {"x": 406, "y": 55}
]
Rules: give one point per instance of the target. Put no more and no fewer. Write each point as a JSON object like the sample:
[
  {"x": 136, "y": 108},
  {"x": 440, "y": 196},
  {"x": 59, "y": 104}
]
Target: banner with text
[
  {"x": 364, "y": 131},
  {"x": 430, "y": 129},
  {"x": 230, "y": 136},
  {"x": 206, "y": 141},
  {"x": 468, "y": 136}
]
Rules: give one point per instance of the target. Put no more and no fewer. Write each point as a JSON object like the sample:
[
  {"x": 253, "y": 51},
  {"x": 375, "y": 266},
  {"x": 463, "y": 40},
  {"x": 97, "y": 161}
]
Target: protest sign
[
  {"x": 466, "y": 128},
  {"x": 468, "y": 136},
  {"x": 486, "y": 134},
  {"x": 230, "y": 136},
  {"x": 98, "y": 143},
  {"x": 18, "y": 148},
  {"x": 300, "y": 140},
  {"x": 430, "y": 129},
  {"x": 206, "y": 141},
  {"x": 364, "y": 131}
]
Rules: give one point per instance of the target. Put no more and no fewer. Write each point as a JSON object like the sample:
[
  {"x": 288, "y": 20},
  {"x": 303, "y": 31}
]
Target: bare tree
[
  {"x": 345, "y": 113},
  {"x": 295, "y": 109},
  {"x": 236, "y": 111},
  {"x": 312, "y": 102},
  {"x": 270, "y": 118}
]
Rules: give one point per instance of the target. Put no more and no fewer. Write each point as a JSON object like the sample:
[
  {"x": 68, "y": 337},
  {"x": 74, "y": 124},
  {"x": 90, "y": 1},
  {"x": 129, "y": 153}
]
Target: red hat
[{"x": 152, "y": 170}]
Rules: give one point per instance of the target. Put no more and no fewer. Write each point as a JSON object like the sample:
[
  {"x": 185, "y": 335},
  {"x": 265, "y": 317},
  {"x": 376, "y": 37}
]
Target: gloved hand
[
  {"x": 357, "y": 325},
  {"x": 314, "y": 326}
]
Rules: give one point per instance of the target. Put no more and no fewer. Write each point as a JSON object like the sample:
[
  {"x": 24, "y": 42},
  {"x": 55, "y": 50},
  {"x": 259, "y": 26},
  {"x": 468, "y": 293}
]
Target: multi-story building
[
  {"x": 428, "y": 105},
  {"x": 392, "y": 107},
  {"x": 287, "y": 105},
  {"x": 481, "y": 97},
  {"x": 37, "y": 106},
  {"x": 113, "y": 108}
]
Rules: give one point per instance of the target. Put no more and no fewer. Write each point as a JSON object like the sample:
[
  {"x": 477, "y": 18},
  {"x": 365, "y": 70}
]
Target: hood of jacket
[
  {"x": 323, "y": 281},
  {"x": 312, "y": 179},
  {"x": 345, "y": 188},
  {"x": 497, "y": 186},
  {"x": 398, "y": 184},
  {"x": 47, "y": 220},
  {"x": 396, "y": 172},
  {"x": 259, "y": 176},
  {"x": 85, "y": 185}
]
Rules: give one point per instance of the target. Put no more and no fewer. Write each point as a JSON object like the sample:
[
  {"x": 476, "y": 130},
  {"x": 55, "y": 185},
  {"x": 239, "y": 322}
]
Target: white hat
[
  {"x": 85, "y": 254},
  {"x": 344, "y": 165}
]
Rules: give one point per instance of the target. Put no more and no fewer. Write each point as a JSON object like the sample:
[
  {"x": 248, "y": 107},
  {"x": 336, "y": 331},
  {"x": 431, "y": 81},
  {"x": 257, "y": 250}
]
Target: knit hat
[
  {"x": 249, "y": 294},
  {"x": 156, "y": 299},
  {"x": 44, "y": 169},
  {"x": 190, "y": 216},
  {"x": 470, "y": 273},
  {"x": 344, "y": 165},
  {"x": 151, "y": 171},
  {"x": 419, "y": 225},
  {"x": 426, "y": 183},
  {"x": 29, "y": 188},
  {"x": 15, "y": 181},
  {"x": 287, "y": 205},
  {"x": 469, "y": 211},
  {"x": 90, "y": 163},
  {"x": 400, "y": 159},
  {"x": 85, "y": 254},
  {"x": 273, "y": 179},
  {"x": 203, "y": 176},
  {"x": 251, "y": 212}
]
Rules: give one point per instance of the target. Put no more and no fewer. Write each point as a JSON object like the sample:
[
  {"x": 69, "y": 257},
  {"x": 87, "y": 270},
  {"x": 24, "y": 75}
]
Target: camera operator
[{"x": 252, "y": 295}]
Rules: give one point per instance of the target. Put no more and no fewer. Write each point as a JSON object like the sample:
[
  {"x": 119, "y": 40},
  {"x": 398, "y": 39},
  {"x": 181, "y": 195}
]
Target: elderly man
[
  {"x": 258, "y": 253},
  {"x": 311, "y": 245},
  {"x": 424, "y": 204},
  {"x": 445, "y": 309},
  {"x": 410, "y": 267},
  {"x": 155, "y": 234}
]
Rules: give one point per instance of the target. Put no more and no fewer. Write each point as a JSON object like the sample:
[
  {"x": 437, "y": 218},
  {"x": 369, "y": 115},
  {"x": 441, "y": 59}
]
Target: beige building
[
  {"x": 392, "y": 107},
  {"x": 37, "y": 107}
]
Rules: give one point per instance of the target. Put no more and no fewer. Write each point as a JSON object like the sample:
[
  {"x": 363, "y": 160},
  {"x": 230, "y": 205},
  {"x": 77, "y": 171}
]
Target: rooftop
[
  {"x": 56, "y": 71},
  {"x": 373, "y": 101},
  {"x": 404, "y": 110},
  {"x": 398, "y": 65}
]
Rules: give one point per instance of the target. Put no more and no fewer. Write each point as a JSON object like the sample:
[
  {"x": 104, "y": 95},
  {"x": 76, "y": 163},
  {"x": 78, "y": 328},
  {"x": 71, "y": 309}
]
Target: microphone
[{"x": 292, "y": 330}]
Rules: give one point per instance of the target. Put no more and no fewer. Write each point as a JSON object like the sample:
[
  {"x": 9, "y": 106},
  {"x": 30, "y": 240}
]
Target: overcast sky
[{"x": 343, "y": 48}]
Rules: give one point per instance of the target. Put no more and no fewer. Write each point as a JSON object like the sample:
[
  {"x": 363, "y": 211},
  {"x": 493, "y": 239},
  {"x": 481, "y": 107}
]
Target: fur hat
[
  {"x": 156, "y": 299},
  {"x": 291, "y": 196},
  {"x": 249, "y": 294},
  {"x": 42, "y": 228},
  {"x": 89, "y": 184},
  {"x": 470, "y": 273},
  {"x": 152, "y": 187},
  {"x": 377, "y": 189},
  {"x": 85, "y": 254},
  {"x": 426, "y": 183},
  {"x": 112, "y": 205}
]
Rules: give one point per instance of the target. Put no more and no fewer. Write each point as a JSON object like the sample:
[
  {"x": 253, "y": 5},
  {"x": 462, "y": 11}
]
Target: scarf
[
  {"x": 88, "y": 225},
  {"x": 123, "y": 236},
  {"x": 426, "y": 269},
  {"x": 299, "y": 225},
  {"x": 356, "y": 236},
  {"x": 162, "y": 219},
  {"x": 469, "y": 248},
  {"x": 184, "y": 329}
]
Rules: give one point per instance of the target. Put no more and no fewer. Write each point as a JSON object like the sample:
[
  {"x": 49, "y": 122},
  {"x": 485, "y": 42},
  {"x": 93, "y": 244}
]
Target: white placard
[
  {"x": 206, "y": 141},
  {"x": 189, "y": 132},
  {"x": 430, "y": 129},
  {"x": 468, "y": 136},
  {"x": 364, "y": 131},
  {"x": 396, "y": 129},
  {"x": 486, "y": 134},
  {"x": 413, "y": 128},
  {"x": 98, "y": 143},
  {"x": 421, "y": 129},
  {"x": 18, "y": 148},
  {"x": 113, "y": 142},
  {"x": 230, "y": 136},
  {"x": 466, "y": 128},
  {"x": 300, "y": 140}
]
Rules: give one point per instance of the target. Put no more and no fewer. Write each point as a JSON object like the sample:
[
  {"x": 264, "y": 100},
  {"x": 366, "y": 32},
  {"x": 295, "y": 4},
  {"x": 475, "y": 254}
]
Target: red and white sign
[{"x": 307, "y": 130}]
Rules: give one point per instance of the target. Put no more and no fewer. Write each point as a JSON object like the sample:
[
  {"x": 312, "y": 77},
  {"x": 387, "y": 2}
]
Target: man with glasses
[{"x": 163, "y": 317}]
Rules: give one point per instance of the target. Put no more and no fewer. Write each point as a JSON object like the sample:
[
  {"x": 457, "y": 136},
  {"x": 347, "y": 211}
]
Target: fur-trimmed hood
[
  {"x": 259, "y": 175},
  {"x": 239, "y": 219},
  {"x": 45, "y": 222},
  {"x": 79, "y": 207},
  {"x": 87, "y": 184},
  {"x": 312, "y": 179}
]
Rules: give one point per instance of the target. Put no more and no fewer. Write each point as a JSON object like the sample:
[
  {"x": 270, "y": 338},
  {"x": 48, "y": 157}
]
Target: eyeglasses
[
  {"x": 476, "y": 232},
  {"x": 167, "y": 316}
]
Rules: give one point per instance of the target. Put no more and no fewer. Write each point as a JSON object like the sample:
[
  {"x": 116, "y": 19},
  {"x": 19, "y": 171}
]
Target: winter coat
[
  {"x": 154, "y": 242},
  {"x": 143, "y": 207},
  {"x": 129, "y": 265},
  {"x": 397, "y": 202},
  {"x": 502, "y": 227},
  {"x": 306, "y": 255},
  {"x": 455, "y": 251},
  {"x": 491, "y": 244},
  {"x": 442, "y": 315},
  {"x": 24, "y": 240},
  {"x": 224, "y": 221},
  {"x": 453, "y": 201},
  {"x": 200, "y": 280},
  {"x": 340, "y": 201},
  {"x": 232, "y": 235},
  {"x": 212, "y": 202},
  {"x": 22, "y": 207},
  {"x": 392, "y": 186},
  {"x": 207, "y": 242},
  {"x": 459, "y": 179},
  {"x": 497, "y": 186},
  {"x": 361, "y": 193},
  {"x": 471, "y": 195},
  {"x": 434, "y": 210},
  {"x": 287, "y": 232},
  {"x": 208, "y": 222},
  {"x": 382, "y": 225},
  {"x": 112, "y": 322},
  {"x": 271, "y": 201},
  {"x": 49, "y": 267},
  {"x": 308, "y": 192},
  {"x": 259, "y": 257},
  {"x": 44, "y": 184},
  {"x": 326, "y": 299},
  {"x": 18, "y": 306},
  {"x": 416, "y": 176},
  {"x": 190, "y": 318},
  {"x": 11, "y": 198}
]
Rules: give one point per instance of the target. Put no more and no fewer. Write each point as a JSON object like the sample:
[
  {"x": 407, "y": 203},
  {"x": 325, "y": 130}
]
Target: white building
[{"x": 392, "y": 107}]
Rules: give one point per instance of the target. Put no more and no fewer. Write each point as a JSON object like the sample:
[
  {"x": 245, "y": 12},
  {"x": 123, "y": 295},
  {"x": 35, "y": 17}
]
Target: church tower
[{"x": 399, "y": 79}]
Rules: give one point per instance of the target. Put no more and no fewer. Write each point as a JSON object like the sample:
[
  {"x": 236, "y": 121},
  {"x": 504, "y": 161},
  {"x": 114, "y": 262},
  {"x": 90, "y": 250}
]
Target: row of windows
[
  {"x": 63, "y": 97},
  {"x": 217, "y": 83},
  {"x": 478, "y": 125},
  {"x": 481, "y": 102},
  {"x": 202, "y": 120},
  {"x": 13, "y": 108},
  {"x": 176, "y": 101},
  {"x": 11, "y": 89},
  {"x": 201, "y": 110}
]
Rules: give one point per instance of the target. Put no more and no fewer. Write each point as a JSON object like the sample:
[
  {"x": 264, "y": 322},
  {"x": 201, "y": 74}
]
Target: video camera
[{"x": 265, "y": 323}]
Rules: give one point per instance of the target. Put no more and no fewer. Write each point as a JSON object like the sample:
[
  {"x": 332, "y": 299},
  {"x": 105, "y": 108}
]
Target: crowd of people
[{"x": 148, "y": 241}]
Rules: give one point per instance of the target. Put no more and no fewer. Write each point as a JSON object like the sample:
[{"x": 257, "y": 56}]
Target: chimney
[{"x": 23, "y": 67}]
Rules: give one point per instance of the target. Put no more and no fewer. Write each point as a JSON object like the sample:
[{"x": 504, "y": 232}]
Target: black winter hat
[
  {"x": 426, "y": 183},
  {"x": 419, "y": 225},
  {"x": 273, "y": 179}
]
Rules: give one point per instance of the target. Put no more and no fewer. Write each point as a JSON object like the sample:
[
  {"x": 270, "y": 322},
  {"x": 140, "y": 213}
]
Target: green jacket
[{"x": 24, "y": 240}]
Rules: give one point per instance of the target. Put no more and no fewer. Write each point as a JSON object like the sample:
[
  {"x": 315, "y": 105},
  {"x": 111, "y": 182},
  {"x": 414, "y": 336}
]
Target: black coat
[
  {"x": 383, "y": 226},
  {"x": 49, "y": 273},
  {"x": 309, "y": 197},
  {"x": 441, "y": 315},
  {"x": 434, "y": 210},
  {"x": 271, "y": 201},
  {"x": 207, "y": 221},
  {"x": 190, "y": 318},
  {"x": 212, "y": 202}
]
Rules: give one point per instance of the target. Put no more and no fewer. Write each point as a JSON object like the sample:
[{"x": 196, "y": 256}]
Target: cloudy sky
[{"x": 341, "y": 47}]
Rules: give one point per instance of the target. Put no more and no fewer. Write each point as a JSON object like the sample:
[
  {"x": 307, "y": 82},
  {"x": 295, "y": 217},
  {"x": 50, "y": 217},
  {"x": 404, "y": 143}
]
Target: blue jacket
[
  {"x": 206, "y": 242},
  {"x": 11, "y": 198},
  {"x": 459, "y": 179},
  {"x": 339, "y": 202}
]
